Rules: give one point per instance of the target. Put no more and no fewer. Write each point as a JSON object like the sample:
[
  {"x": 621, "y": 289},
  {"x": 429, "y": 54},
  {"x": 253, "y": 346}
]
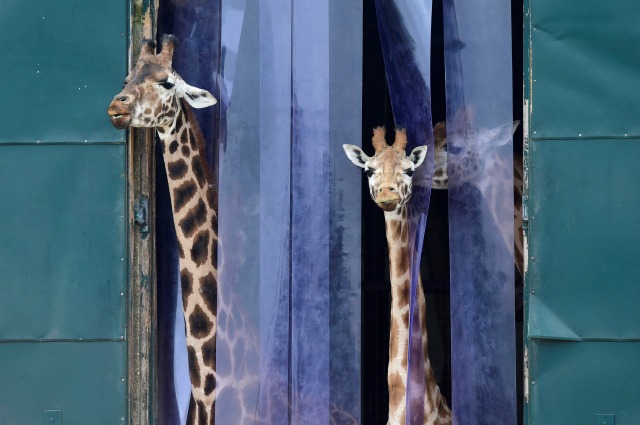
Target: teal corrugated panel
[
  {"x": 572, "y": 383},
  {"x": 584, "y": 239},
  {"x": 62, "y": 62},
  {"x": 585, "y": 62},
  {"x": 83, "y": 380},
  {"x": 63, "y": 251}
]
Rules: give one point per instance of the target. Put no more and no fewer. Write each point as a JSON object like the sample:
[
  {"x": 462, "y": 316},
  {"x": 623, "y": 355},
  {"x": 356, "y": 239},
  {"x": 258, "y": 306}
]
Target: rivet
[
  {"x": 122, "y": 294},
  {"x": 122, "y": 259},
  {"x": 533, "y": 292},
  {"x": 121, "y": 336},
  {"x": 533, "y": 382},
  {"x": 580, "y": 135},
  {"x": 533, "y": 258}
]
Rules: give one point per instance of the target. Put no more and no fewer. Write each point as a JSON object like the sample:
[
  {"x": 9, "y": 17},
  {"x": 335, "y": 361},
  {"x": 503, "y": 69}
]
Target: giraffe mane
[{"x": 197, "y": 134}]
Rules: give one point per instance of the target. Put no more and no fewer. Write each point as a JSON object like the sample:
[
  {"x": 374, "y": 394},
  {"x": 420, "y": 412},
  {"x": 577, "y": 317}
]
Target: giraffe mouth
[{"x": 120, "y": 121}]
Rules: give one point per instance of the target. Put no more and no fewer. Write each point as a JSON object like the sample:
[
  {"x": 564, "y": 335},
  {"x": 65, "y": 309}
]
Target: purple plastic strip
[
  {"x": 275, "y": 204},
  {"x": 289, "y": 232},
  {"x": 405, "y": 33},
  {"x": 479, "y": 140},
  {"x": 310, "y": 330}
]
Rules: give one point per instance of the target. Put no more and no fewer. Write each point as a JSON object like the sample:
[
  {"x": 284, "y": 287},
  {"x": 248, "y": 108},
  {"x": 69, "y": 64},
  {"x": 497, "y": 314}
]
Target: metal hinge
[{"x": 141, "y": 214}]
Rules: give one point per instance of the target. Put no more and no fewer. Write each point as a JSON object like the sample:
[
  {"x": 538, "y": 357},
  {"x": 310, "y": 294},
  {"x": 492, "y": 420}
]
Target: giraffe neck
[
  {"x": 193, "y": 200},
  {"x": 435, "y": 406}
]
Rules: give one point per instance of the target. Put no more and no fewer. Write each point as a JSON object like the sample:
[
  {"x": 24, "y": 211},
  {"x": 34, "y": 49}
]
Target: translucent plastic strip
[
  {"x": 345, "y": 122},
  {"x": 480, "y": 169},
  {"x": 197, "y": 29},
  {"x": 275, "y": 195},
  {"x": 405, "y": 32},
  {"x": 238, "y": 344},
  {"x": 310, "y": 329}
]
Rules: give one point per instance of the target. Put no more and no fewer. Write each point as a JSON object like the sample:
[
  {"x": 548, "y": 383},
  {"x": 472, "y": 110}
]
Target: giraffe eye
[
  {"x": 368, "y": 172},
  {"x": 167, "y": 85},
  {"x": 409, "y": 172}
]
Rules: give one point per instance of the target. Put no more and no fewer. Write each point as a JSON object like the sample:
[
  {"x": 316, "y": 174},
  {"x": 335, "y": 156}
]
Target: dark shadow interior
[{"x": 376, "y": 110}]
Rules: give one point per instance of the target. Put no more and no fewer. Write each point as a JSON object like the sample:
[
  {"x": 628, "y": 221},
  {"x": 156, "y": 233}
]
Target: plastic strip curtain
[
  {"x": 405, "y": 32},
  {"x": 479, "y": 138},
  {"x": 195, "y": 23},
  {"x": 289, "y": 257}
]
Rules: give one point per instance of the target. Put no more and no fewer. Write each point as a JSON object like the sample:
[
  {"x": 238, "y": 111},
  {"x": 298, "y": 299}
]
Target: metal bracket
[{"x": 141, "y": 214}]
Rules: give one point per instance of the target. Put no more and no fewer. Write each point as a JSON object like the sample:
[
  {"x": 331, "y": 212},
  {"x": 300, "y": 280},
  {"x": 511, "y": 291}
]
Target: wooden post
[{"x": 142, "y": 277}]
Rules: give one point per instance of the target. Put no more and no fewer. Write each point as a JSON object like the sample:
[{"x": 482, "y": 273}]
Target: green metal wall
[
  {"x": 63, "y": 267},
  {"x": 582, "y": 85}
]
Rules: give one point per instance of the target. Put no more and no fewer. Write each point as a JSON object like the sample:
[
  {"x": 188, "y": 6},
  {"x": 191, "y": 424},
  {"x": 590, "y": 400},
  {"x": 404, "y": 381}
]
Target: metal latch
[{"x": 141, "y": 214}]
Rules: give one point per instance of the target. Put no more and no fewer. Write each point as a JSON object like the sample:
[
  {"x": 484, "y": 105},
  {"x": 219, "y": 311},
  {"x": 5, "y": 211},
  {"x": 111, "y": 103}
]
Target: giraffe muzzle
[
  {"x": 387, "y": 200},
  {"x": 119, "y": 116}
]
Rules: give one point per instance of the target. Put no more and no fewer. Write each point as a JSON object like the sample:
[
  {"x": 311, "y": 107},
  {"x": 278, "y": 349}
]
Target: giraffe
[
  {"x": 469, "y": 163},
  {"x": 389, "y": 173},
  {"x": 155, "y": 96}
]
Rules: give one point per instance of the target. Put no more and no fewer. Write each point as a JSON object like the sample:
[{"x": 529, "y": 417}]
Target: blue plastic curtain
[
  {"x": 287, "y": 76},
  {"x": 479, "y": 137},
  {"x": 289, "y": 222}
]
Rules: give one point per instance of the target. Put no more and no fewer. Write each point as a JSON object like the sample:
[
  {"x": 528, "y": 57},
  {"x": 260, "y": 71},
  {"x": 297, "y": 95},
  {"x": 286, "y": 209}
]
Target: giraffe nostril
[{"x": 392, "y": 189}]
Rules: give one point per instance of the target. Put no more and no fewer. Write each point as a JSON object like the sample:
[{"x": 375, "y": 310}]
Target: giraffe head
[
  {"x": 390, "y": 169},
  {"x": 152, "y": 90}
]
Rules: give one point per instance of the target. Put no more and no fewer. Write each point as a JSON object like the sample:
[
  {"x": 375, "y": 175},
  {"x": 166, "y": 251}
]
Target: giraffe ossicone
[{"x": 389, "y": 174}]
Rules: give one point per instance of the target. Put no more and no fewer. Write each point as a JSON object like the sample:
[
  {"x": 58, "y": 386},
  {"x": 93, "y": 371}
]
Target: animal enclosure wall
[
  {"x": 63, "y": 233},
  {"x": 582, "y": 281}
]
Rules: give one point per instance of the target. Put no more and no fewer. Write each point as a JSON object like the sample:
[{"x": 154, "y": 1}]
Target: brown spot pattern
[
  {"x": 195, "y": 218},
  {"x": 196, "y": 166},
  {"x": 209, "y": 353},
  {"x": 199, "y": 324},
  {"x": 209, "y": 291},
  {"x": 186, "y": 281},
  {"x": 194, "y": 368},
  {"x": 200, "y": 248},
  {"x": 183, "y": 194},
  {"x": 183, "y": 137},
  {"x": 402, "y": 262},
  {"x": 396, "y": 389},
  {"x": 209, "y": 384},
  {"x": 177, "y": 169}
]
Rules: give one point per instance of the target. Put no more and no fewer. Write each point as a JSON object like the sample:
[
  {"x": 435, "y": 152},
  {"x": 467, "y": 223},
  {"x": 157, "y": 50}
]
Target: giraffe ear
[
  {"x": 198, "y": 98},
  {"x": 418, "y": 155},
  {"x": 356, "y": 155}
]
